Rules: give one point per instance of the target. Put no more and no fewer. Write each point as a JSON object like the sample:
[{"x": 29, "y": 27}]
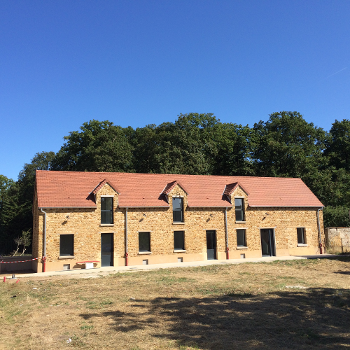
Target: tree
[
  {"x": 99, "y": 146},
  {"x": 234, "y": 148},
  {"x": 338, "y": 145},
  {"x": 186, "y": 146},
  {"x": 24, "y": 240},
  {"x": 16, "y": 208},
  {"x": 5, "y": 196},
  {"x": 286, "y": 145}
]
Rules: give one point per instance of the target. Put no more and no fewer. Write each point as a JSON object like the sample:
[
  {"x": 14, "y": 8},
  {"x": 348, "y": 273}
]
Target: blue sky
[{"x": 139, "y": 62}]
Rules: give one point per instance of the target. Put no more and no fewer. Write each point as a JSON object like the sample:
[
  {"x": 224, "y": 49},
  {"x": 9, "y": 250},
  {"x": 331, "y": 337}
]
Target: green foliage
[
  {"x": 16, "y": 208},
  {"x": 336, "y": 216},
  {"x": 196, "y": 143},
  {"x": 99, "y": 146},
  {"x": 286, "y": 145},
  {"x": 338, "y": 145}
]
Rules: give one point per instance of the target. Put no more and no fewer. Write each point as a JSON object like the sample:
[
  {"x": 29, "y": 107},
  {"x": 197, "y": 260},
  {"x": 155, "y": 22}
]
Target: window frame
[
  {"x": 178, "y": 248},
  {"x": 143, "y": 251},
  {"x": 244, "y": 238},
  {"x": 240, "y": 210},
  {"x": 180, "y": 210},
  {"x": 71, "y": 249},
  {"x": 111, "y": 211},
  {"x": 301, "y": 233}
]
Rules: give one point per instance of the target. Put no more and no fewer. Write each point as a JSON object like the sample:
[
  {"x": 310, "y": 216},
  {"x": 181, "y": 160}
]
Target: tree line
[{"x": 285, "y": 145}]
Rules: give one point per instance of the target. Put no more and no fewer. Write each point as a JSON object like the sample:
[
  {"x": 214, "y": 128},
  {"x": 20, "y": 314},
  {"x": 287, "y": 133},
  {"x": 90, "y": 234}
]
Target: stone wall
[
  {"x": 338, "y": 239},
  {"x": 85, "y": 225}
]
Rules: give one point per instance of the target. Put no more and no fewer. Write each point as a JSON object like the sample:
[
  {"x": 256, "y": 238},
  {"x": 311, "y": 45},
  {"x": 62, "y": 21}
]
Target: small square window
[
  {"x": 239, "y": 209},
  {"x": 106, "y": 210},
  {"x": 179, "y": 240},
  {"x": 66, "y": 245},
  {"x": 301, "y": 235},
  {"x": 241, "y": 238},
  {"x": 178, "y": 209},
  {"x": 144, "y": 241}
]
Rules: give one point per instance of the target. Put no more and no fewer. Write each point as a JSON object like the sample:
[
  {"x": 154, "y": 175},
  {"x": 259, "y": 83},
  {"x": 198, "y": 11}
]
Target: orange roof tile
[
  {"x": 69, "y": 189},
  {"x": 229, "y": 189},
  {"x": 101, "y": 184}
]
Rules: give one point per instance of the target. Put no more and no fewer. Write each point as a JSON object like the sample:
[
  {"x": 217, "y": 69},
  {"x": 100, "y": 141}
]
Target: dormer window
[
  {"x": 239, "y": 208},
  {"x": 178, "y": 209},
  {"x": 106, "y": 210}
]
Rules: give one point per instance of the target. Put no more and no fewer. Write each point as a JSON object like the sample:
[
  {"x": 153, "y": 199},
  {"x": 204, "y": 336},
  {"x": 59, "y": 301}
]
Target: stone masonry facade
[{"x": 85, "y": 225}]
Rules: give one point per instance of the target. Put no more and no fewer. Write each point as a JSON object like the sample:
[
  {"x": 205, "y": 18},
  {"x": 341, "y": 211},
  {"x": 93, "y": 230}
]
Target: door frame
[
  {"x": 112, "y": 252},
  {"x": 214, "y": 241},
  {"x": 272, "y": 245}
]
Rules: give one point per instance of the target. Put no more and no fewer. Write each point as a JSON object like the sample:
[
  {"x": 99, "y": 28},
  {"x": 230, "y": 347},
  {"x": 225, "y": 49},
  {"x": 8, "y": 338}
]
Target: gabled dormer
[
  {"x": 176, "y": 196},
  {"x": 106, "y": 199},
  {"x": 237, "y": 195},
  {"x": 234, "y": 190}
]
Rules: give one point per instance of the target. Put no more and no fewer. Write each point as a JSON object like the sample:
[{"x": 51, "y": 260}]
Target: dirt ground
[{"x": 300, "y": 304}]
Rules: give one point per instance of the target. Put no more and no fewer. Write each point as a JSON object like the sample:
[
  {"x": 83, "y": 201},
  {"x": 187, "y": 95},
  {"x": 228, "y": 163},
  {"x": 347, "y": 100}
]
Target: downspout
[
  {"x": 44, "y": 245},
  {"x": 319, "y": 230},
  {"x": 226, "y": 233},
  {"x": 126, "y": 237}
]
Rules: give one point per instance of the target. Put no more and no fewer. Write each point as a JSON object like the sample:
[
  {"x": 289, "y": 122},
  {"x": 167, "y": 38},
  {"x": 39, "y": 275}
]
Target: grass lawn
[{"x": 301, "y": 304}]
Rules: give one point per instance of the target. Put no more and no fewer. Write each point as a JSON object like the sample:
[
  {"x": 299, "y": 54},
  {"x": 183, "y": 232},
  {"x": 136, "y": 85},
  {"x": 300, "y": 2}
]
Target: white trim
[
  {"x": 62, "y": 257},
  {"x": 94, "y": 207},
  {"x": 239, "y": 247},
  {"x": 144, "y": 253},
  {"x": 107, "y": 195},
  {"x": 178, "y": 223},
  {"x": 179, "y": 250},
  {"x": 137, "y": 207},
  {"x": 106, "y": 225},
  {"x": 241, "y": 222},
  {"x": 211, "y": 206},
  {"x": 241, "y": 228},
  {"x": 302, "y": 245},
  {"x": 284, "y": 206},
  {"x": 239, "y": 197}
]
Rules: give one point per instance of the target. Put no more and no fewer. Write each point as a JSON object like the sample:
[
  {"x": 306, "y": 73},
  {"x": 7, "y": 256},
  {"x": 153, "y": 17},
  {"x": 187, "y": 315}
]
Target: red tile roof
[
  {"x": 170, "y": 186},
  {"x": 230, "y": 188},
  {"x": 69, "y": 189},
  {"x": 101, "y": 184}
]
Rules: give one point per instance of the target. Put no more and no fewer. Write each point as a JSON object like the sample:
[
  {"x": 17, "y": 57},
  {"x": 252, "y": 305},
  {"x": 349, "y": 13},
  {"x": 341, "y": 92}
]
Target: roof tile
[{"x": 71, "y": 189}]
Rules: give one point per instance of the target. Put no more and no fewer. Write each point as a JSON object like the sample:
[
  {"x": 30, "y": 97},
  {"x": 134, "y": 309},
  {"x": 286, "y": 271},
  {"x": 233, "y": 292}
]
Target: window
[
  {"x": 241, "y": 238},
  {"x": 144, "y": 241},
  {"x": 178, "y": 215},
  {"x": 239, "y": 207},
  {"x": 106, "y": 210},
  {"x": 301, "y": 235},
  {"x": 66, "y": 245},
  {"x": 179, "y": 240}
]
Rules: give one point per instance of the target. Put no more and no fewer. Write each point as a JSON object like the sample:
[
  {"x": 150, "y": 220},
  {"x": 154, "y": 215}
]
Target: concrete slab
[{"x": 90, "y": 273}]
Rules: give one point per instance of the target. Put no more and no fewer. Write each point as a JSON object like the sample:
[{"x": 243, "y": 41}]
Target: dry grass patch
[{"x": 301, "y": 304}]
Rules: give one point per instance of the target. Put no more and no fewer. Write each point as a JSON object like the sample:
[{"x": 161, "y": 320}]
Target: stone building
[{"x": 117, "y": 219}]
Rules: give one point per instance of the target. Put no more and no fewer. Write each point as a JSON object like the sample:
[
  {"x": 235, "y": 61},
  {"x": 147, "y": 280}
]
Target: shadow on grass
[
  {"x": 343, "y": 272},
  {"x": 313, "y": 318}
]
